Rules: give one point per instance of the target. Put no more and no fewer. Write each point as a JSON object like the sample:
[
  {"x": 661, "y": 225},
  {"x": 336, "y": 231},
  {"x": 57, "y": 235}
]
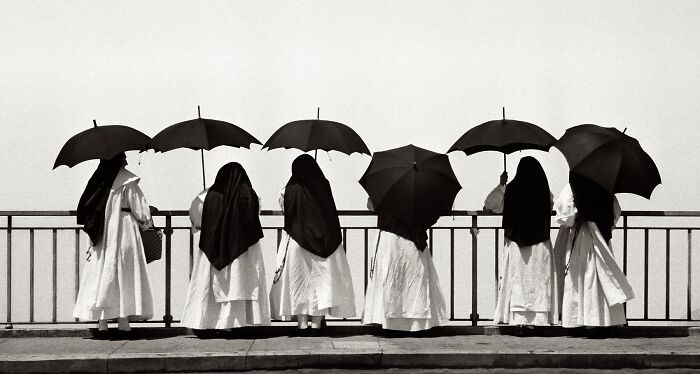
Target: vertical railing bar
[
  {"x": 8, "y": 265},
  {"x": 689, "y": 295},
  {"x": 430, "y": 238},
  {"x": 452, "y": 273},
  {"x": 646, "y": 273},
  {"x": 624, "y": 244},
  {"x": 366, "y": 232},
  {"x": 668, "y": 273},
  {"x": 31, "y": 275},
  {"x": 54, "y": 273},
  {"x": 279, "y": 238},
  {"x": 495, "y": 267},
  {"x": 167, "y": 318},
  {"x": 345, "y": 239},
  {"x": 474, "y": 314},
  {"x": 76, "y": 268},
  {"x": 189, "y": 274},
  {"x": 76, "y": 265}
]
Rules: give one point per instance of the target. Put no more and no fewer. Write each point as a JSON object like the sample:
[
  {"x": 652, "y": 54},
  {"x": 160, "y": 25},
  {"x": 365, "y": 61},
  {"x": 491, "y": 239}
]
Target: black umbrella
[
  {"x": 504, "y": 135},
  {"x": 411, "y": 183},
  {"x": 611, "y": 158},
  {"x": 201, "y": 134},
  {"x": 100, "y": 142},
  {"x": 315, "y": 134}
]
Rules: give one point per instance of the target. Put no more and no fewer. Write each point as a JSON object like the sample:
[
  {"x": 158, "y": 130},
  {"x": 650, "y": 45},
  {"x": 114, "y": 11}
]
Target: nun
[
  {"x": 527, "y": 285},
  {"x": 115, "y": 283},
  {"x": 227, "y": 288},
  {"x": 404, "y": 291},
  {"x": 313, "y": 276},
  {"x": 595, "y": 288}
]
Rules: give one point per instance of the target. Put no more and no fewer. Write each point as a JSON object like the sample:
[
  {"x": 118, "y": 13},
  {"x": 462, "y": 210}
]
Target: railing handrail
[{"x": 347, "y": 212}]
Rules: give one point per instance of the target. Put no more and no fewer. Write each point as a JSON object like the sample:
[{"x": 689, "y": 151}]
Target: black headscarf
[
  {"x": 91, "y": 207},
  {"x": 418, "y": 235},
  {"x": 230, "y": 217},
  {"x": 310, "y": 215},
  {"x": 593, "y": 203},
  {"x": 527, "y": 205}
]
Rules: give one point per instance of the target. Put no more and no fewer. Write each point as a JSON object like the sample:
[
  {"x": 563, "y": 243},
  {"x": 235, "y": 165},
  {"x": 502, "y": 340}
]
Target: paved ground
[{"x": 239, "y": 351}]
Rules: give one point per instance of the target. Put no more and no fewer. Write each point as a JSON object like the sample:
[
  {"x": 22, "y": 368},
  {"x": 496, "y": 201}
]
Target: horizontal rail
[{"x": 469, "y": 244}]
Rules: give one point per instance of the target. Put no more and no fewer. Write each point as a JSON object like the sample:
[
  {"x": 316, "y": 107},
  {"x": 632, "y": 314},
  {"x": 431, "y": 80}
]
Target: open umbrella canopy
[
  {"x": 611, "y": 158},
  {"x": 100, "y": 142},
  {"x": 503, "y": 135},
  {"x": 411, "y": 183},
  {"x": 201, "y": 134},
  {"x": 313, "y": 134}
]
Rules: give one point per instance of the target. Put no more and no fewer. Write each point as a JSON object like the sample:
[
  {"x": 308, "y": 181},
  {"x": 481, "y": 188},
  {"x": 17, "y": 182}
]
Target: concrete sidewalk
[{"x": 150, "y": 351}]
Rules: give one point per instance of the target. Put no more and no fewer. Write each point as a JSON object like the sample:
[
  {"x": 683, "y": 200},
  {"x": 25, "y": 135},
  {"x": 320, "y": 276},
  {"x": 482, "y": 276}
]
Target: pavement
[{"x": 279, "y": 348}]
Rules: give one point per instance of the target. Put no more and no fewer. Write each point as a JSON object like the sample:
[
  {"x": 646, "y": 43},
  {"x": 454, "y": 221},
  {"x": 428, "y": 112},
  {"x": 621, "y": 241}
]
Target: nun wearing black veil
[
  {"x": 115, "y": 283},
  {"x": 527, "y": 284},
  {"x": 594, "y": 286},
  {"x": 227, "y": 288},
  {"x": 313, "y": 276}
]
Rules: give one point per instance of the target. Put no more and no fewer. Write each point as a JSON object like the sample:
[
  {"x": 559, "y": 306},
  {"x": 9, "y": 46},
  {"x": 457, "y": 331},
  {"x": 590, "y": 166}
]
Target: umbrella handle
[{"x": 204, "y": 181}]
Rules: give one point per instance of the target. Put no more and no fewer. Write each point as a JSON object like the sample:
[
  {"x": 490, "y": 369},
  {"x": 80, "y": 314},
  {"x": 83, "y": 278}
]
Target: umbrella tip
[
  {"x": 94, "y": 123},
  {"x": 318, "y": 112},
  {"x": 504, "y": 112},
  {"x": 623, "y": 131},
  {"x": 199, "y": 113}
]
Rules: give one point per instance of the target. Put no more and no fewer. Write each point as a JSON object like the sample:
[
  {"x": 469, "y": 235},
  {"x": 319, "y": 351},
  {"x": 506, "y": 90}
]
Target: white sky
[{"x": 398, "y": 72}]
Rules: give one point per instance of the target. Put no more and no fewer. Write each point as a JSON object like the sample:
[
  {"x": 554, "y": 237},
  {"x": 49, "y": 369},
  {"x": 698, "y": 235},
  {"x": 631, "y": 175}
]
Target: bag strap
[
  {"x": 278, "y": 272},
  {"x": 374, "y": 259}
]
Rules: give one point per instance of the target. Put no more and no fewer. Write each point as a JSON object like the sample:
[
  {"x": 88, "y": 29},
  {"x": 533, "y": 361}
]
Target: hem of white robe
[
  {"x": 95, "y": 314},
  {"x": 527, "y": 318},
  {"x": 342, "y": 311},
  {"x": 342, "y": 303},
  {"x": 407, "y": 324},
  {"x": 232, "y": 314}
]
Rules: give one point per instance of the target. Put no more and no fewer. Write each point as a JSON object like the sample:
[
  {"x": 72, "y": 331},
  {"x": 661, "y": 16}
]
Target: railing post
[
  {"x": 646, "y": 274},
  {"x": 54, "y": 276},
  {"x": 689, "y": 294},
  {"x": 668, "y": 274},
  {"x": 168, "y": 231},
  {"x": 474, "y": 316},
  {"x": 452, "y": 273},
  {"x": 624, "y": 245},
  {"x": 366, "y": 233},
  {"x": 31, "y": 275},
  {"x": 8, "y": 324}
]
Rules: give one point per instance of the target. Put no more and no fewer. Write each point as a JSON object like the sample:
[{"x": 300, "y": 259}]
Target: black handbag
[{"x": 152, "y": 239}]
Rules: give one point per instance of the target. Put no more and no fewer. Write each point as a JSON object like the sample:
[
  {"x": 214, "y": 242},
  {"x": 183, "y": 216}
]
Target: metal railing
[{"x": 464, "y": 225}]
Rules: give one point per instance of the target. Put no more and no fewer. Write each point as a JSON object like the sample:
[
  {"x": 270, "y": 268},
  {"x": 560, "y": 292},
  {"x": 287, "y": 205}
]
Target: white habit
[
  {"x": 235, "y": 296},
  {"x": 594, "y": 285},
  {"x": 310, "y": 284},
  {"x": 527, "y": 286},
  {"x": 404, "y": 291},
  {"x": 115, "y": 282}
]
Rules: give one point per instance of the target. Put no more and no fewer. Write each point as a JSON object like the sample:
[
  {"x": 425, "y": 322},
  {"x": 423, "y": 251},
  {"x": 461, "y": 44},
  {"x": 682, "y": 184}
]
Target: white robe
[
  {"x": 527, "y": 286},
  {"x": 235, "y": 296},
  {"x": 594, "y": 285},
  {"x": 115, "y": 282},
  {"x": 404, "y": 291},
  {"x": 310, "y": 284}
]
